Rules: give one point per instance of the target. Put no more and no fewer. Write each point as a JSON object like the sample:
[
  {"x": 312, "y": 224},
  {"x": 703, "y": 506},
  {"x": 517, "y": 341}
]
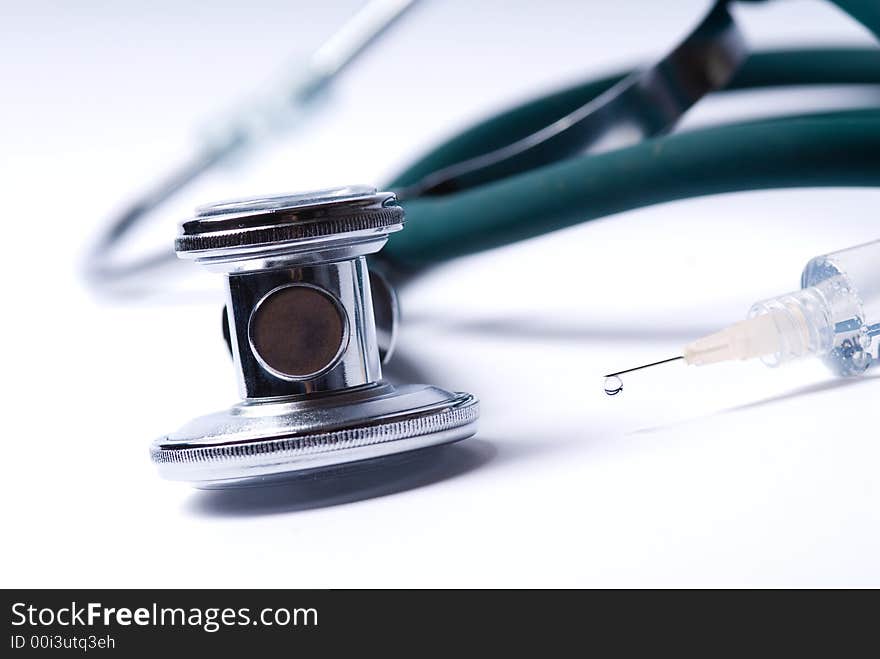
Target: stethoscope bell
[{"x": 303, "y": 337}]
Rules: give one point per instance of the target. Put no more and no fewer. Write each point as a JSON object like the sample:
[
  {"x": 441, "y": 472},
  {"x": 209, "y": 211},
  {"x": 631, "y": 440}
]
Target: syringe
[{"x": 835, "y": 316}]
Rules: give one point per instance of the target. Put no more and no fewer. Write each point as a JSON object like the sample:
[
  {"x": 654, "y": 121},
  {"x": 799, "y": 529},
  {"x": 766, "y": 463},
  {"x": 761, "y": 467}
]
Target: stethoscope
[{"x": 309, "y": 321}]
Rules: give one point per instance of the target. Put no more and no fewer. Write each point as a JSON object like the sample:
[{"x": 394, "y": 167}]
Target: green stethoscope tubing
[
  {"x": 768, "y": 69},
  {"x": 840, "y": 148},
  {"x": 823, "y": 150}
]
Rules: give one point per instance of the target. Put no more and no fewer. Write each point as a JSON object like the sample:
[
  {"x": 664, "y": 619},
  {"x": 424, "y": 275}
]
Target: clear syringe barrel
[{"x": 835, "y": 315}]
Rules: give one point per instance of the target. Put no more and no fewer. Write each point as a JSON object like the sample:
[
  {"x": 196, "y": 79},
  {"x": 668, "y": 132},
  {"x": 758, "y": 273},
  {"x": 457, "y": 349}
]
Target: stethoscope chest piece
[{"x": 303, "y": 337}]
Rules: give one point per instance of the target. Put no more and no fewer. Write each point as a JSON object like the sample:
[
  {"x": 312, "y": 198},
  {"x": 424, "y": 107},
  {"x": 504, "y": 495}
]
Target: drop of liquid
[{"x": 613, "y": 385}]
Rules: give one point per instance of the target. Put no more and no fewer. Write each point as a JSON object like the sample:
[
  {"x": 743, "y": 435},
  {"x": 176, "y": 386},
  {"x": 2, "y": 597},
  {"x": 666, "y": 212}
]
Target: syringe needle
[
  {"x": 639, "y": 368},
  {"x": 614, "y": 385}
]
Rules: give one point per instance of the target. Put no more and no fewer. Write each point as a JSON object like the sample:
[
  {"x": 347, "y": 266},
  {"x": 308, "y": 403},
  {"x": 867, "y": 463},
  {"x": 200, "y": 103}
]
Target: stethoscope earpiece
[{"x": 303, "y": 336}]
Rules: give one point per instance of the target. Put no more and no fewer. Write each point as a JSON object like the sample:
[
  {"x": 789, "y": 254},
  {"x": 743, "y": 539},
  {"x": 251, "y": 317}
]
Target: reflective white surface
[{"x": 736, "y": 475}]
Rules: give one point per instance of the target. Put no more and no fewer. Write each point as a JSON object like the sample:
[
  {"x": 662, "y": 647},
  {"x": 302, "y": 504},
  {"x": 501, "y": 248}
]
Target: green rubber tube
[
  {"x": 822, "y": 66},
  {"x": 828, "y": 149},
  {"x": 831, "y": 149},
  {"x": 505, "y": 128},
  {"x": 866, "y": 12},
  {"x": 793, "y": 67}
]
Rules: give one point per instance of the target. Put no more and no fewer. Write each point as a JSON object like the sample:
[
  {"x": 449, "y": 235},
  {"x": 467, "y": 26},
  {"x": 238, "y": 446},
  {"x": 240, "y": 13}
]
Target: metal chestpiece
[
  {"x": 303, "y": 336},
  {"x": 299, "y": 301}
]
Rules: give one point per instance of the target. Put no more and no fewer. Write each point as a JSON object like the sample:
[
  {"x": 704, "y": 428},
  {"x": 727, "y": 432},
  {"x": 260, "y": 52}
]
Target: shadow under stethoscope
[{"x": 350, "y": 483}]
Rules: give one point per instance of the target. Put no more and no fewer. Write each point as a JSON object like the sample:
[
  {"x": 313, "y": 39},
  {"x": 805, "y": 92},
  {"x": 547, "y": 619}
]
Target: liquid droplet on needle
[{"x": 613, "y": 385}]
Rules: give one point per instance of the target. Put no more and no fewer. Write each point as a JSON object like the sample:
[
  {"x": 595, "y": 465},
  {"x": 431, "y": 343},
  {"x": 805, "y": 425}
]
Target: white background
[{"x": 727, "y": 476}]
